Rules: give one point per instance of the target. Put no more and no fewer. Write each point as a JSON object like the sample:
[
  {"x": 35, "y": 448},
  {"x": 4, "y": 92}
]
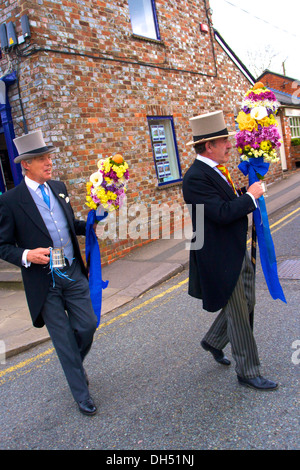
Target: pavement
[{"x": 129, "y": 277}]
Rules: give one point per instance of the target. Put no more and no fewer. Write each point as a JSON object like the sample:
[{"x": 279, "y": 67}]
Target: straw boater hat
[
  {"x": 31, "y": 145},
  {"x": 208, "y": 126}
]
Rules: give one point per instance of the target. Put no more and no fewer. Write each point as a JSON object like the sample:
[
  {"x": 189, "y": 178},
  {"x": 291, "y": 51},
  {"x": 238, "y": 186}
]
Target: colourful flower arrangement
[
  {"x": 258, "y": 135},
  {"x": 107, "y": 186}
]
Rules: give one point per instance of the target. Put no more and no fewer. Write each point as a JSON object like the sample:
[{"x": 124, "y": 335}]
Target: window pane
[
  {"x": 142, "y": 19},
  {"x": 295, "y": 126},
  {"x": 164, "y": 150}
]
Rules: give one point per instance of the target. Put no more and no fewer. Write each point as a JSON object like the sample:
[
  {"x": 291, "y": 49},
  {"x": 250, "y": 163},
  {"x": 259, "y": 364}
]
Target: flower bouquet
[
  {"x": 105, "y": 193},
  {"x": 257, "y": 142},
  {"x": 107, "y": 186},
  {"x": 258, "y": 136}
]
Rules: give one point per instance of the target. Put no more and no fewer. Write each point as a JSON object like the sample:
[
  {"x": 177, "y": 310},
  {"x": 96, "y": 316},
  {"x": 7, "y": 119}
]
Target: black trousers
[
  {"x": 71, "y": 323},
  {"x": 233, "y": 325}
]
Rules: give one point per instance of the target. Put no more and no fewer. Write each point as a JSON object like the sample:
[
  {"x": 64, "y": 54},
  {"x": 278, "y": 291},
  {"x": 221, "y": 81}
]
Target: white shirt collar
[
  {"x": 207, "y": 160},
  {"x": 32, "y": 184}
]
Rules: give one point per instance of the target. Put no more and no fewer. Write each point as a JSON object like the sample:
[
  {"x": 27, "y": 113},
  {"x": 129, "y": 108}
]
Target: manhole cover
[{"x": 289, "y": 269}]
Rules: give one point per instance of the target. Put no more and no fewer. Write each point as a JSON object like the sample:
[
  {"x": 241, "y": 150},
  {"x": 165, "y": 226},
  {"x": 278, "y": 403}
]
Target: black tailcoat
[
  {"x": 21, "y": 227},
  {"x": 215, "y": 268}
]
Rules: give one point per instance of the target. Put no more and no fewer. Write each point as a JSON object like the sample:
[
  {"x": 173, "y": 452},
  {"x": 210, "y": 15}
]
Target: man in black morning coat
[
  {"x": 220, "y": 271},
  {"x": 30, "y": 225}
]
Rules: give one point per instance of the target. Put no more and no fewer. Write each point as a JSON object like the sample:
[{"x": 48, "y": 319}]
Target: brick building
[{"x": 101, "y": 77}]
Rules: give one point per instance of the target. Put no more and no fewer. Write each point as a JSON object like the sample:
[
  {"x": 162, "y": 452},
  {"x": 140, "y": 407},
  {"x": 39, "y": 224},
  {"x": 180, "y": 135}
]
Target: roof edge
[
  {"x": 267, "y": 71},
  {"x": 231, "y": 54}
]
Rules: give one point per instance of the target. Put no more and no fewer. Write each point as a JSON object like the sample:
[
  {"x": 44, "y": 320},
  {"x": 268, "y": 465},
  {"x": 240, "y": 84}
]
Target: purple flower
[
  {"x": 246, "y": 110},
  {"x": 266, "y": 95}
]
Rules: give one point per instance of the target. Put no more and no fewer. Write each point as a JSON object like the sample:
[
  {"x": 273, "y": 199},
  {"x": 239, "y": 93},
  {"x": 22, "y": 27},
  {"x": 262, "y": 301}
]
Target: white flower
[
  {"x": 96, "y": 178},
  {"x": 258, "y": 113},
  {"x": 63, "y": 196}
]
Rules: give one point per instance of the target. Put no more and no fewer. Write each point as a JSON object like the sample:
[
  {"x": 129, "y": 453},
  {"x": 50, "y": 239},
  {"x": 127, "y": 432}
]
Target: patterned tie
[
  {"x": 45, "y": 196},
  {"x": 226, "y": 173}
]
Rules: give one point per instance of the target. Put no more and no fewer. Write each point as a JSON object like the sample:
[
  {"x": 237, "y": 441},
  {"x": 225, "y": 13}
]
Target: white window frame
[
  {"x": 295, "y": 126},
  {"x": 145, "y": 25}
]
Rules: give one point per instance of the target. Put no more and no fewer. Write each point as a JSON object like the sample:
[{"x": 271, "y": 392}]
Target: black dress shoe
[
  {"x": 258, "y": 383},
  {"x": 217, "y": 353},
  {"x": 87, "y": 407}
]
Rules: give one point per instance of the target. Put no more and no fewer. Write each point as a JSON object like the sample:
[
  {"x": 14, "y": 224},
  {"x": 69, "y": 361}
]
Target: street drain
[{"x": 289, "y": 269}]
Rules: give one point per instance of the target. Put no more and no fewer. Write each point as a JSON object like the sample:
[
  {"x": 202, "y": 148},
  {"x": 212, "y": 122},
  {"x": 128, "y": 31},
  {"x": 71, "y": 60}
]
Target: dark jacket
[
  {"x": 21, "y": 227},
  {"x": 215, "y": 268}
]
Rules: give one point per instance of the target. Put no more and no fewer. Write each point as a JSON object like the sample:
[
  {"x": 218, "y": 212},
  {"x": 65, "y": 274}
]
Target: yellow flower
[
  {"x": 246, "y": 122},
  {"x": 91, "y": 204},
  {"x": 101, "y": 194},
  {"x": 107, "y": 166},
  {"x": 265, "y": 145},
  {"x": 89, "y": 184},
  {"x": 265, "y": 122},
  {"x": 112, "y": 196},
  {"x": 272, "y": 120},
  {"x": 119, "y": 172}
]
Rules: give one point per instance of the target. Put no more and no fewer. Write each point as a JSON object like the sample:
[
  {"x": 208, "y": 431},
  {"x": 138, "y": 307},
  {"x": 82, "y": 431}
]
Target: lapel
[
  {"x": 28, "y": 205},
  {"x": 216, "y": 178}
]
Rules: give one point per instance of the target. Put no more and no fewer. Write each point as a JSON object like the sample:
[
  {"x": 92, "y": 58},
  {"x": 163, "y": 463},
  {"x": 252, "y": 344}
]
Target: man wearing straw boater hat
[
  {"x": 220, "y": 271},
  {"x": 39, "y": 234}
]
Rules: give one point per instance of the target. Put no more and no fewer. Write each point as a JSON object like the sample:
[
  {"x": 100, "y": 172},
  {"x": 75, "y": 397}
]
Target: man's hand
[
  {"x": 39, "y": 256},
  {"x": 256, "y": 190}
]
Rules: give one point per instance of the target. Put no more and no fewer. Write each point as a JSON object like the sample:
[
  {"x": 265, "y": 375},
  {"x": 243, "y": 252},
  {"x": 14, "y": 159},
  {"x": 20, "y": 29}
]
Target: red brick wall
[
  {"x": 281, "y": 83},
  {"x": 95, "y": 103},
  {"x": 295, "y": 154},
  {"x": 291, "y": 87}
]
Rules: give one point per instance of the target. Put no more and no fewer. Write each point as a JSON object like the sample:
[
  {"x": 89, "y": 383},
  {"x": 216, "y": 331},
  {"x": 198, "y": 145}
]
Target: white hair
[{"x": 29, "y": 160}]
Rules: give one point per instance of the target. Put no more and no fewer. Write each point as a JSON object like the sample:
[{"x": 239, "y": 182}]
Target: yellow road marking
[
  {"x": 27, "y": 362},
  {"x": 144, "y": 304},
  {"x": 281, "y": 220}
]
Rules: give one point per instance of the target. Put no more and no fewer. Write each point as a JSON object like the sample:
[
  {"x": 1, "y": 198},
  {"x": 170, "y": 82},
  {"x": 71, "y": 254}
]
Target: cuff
[
  {"x": 253, "y": 199},
  {"x": 25, "y": 263}
]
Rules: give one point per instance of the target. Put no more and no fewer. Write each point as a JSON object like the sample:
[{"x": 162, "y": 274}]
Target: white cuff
[
  {"x": 25, "y": 263},
  {"x": 253, "y": 198}
]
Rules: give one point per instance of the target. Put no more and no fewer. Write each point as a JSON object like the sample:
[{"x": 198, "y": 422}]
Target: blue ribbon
[
  {"x": 56, "y": 271},
  {"x": 92, "y": 253},
  {"x": 254, "y": 167}
]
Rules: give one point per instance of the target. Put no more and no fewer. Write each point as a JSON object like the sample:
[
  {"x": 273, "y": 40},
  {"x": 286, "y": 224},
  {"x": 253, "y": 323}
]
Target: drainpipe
[{"x": 7, "y": 123}]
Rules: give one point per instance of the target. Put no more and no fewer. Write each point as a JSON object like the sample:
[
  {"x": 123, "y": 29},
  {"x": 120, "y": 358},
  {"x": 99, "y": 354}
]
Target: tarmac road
[{"x": 155, "y": 387}]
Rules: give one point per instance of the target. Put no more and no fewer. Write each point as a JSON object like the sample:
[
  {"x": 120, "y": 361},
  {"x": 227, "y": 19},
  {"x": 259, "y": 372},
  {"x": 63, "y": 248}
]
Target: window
[
  {"x": 165, "y": 152},
  {"x": 295, "y": 126},
  {"x": 143, "y": 18}
]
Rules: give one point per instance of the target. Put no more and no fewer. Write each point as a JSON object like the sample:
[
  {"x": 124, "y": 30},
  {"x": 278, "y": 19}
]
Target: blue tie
[{"x": 45, "y": 196}]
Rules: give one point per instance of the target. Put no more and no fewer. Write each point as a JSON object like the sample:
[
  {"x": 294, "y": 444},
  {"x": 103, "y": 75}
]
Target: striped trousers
[{"x": 232, "y": 324}]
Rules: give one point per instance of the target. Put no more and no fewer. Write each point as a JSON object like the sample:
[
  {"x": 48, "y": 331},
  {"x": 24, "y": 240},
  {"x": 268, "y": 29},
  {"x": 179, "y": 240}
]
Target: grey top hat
[
  {"x": 208, "y": 126},
  {"x": 31, "y": 145}
]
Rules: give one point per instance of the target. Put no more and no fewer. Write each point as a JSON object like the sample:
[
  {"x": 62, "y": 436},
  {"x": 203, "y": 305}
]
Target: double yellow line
[
  {"x": 46, "y": 354},
  {"x": 280, "y": 221}
]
